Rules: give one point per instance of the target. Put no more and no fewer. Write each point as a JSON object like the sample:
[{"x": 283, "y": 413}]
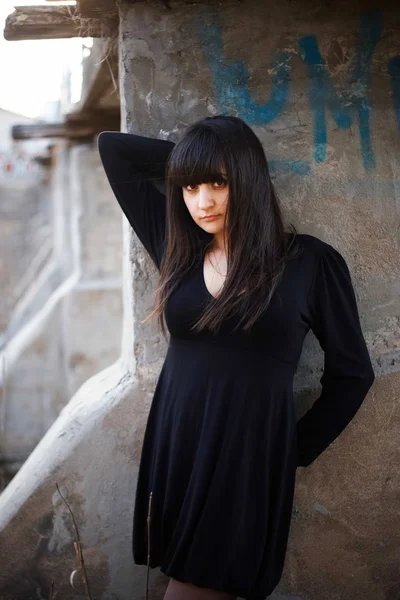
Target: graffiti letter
[
  {"x": 230, "y": 81},
  {"x": 323, "y": 94}
]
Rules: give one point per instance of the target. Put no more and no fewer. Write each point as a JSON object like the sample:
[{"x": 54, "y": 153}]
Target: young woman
[{"x": 238, "y": 294}]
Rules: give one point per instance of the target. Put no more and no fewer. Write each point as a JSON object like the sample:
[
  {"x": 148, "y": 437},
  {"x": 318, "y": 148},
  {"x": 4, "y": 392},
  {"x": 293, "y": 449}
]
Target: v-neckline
[{"x": 203, "y": 279}]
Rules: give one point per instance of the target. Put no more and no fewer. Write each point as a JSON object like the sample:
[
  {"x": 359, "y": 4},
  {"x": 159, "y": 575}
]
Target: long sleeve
[
  {"x": 348, "y": 372},
  {"x": 132, "y": 163}
]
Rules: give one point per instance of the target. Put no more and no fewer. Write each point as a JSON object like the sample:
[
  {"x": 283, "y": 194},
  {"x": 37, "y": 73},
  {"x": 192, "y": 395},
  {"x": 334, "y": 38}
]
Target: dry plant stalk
[
  {"x": 148, "y": 546},
  {"x": 51, "y": 590},
  {"x": 86, "y": 25},
  {"x": 109, "y": 25},
  {"x": 78, "y": 548}
]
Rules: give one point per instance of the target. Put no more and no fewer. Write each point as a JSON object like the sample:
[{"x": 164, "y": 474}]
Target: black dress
[{"x": 221, "y": 444}]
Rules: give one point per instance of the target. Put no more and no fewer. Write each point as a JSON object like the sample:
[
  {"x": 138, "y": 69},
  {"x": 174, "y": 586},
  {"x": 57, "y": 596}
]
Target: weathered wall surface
[
  {"x": 320, "y": 86},
  {"x": 321, "y": 89}
]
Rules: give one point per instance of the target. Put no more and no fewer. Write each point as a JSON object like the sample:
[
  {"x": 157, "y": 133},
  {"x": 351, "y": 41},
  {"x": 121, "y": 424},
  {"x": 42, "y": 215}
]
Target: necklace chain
[{"x": 219, "y": 272}]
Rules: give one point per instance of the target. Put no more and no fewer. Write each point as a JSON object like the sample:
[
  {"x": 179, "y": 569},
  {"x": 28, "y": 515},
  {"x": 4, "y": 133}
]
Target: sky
[{"x": 31, "y": 71}]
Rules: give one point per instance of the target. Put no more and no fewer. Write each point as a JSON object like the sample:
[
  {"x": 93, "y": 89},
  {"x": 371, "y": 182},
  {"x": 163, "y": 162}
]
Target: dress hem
[{"x": 203, "y": 584}]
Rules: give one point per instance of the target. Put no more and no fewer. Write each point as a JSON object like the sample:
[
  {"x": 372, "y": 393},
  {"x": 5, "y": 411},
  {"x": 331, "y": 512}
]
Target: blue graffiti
[
  {"x": 230, "y": 82},
  {"x": 394, "y": 72},
  {"x": 354, "y": 99},
  {"x": 232, "y": 93}
]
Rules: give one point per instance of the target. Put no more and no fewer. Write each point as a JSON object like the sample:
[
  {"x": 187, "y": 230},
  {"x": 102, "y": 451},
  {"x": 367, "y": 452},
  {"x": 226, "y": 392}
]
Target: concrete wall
[
  {"x": 66, "y": 326},
  {"x": 320, "y": 86},
  {"x": 25, "y": 237}
]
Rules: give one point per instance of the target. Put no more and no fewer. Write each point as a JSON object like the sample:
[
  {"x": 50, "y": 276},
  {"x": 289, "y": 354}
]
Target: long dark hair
[{"x": 258, "y": 247}]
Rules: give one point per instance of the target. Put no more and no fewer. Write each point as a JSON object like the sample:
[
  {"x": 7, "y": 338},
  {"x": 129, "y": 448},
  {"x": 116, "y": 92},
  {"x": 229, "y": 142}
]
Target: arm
[
  {"x": 131, "y": 163},
  {"x": 348, "y": 372}
]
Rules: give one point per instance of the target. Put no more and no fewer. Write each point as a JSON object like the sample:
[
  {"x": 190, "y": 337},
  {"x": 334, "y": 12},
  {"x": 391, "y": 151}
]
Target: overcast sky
[{"x": 31, "y": 71}]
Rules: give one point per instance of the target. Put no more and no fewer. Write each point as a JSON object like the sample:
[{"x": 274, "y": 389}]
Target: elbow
[
  {"x": 366, "y": 371},
  {"x": 102, "y": 139},
  {"x": 369, "y": 377}
]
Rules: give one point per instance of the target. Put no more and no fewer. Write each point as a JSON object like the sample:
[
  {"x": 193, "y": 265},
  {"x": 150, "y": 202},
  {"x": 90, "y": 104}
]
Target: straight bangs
[{"x": 197, "y": 159}]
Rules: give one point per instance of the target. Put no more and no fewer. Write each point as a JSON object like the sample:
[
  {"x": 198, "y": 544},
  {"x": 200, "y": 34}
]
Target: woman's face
[{"x": 207, "y": 199}]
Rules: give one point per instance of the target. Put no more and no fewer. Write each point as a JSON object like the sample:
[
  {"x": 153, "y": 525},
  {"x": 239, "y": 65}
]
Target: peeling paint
[{"x": 319, "y": 508}]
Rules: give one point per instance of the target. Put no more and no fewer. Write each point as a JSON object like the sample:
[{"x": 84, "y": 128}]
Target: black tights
[{"x": 177, "y": 590}]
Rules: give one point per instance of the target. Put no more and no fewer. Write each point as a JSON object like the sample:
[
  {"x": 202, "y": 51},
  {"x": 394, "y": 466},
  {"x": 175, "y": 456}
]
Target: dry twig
[
  {"x": 78, "y": 548},
  {"x": 148, "y": 546}
]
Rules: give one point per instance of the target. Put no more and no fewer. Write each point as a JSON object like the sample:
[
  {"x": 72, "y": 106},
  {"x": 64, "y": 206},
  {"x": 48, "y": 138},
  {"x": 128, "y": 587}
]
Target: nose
[{"x": 205, "y": 196}]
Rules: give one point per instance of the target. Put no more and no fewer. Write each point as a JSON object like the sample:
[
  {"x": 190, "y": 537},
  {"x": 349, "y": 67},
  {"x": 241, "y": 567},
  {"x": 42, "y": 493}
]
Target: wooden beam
[
  {"x": 96, "y": 117},
  {"x": 53, "y": 22},
  {"x": 86, "y": 126},
  {"x": 97, "y": 8},
  {"x": 94, "y": 8}
]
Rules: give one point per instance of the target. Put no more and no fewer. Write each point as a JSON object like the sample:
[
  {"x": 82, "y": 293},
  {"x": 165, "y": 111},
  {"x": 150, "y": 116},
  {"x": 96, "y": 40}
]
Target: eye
[{"x": 220, "y": 183}]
